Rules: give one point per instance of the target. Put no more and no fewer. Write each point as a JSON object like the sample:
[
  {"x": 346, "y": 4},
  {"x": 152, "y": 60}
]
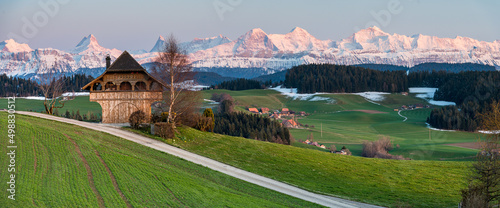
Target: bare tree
[
  {"x": 51, "y": 84},
  {"x": 484, "y": 180},
  {"x": 173, "y": 68}
]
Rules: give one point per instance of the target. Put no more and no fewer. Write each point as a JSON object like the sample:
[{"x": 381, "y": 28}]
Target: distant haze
[{"x": 133, "y": 25}]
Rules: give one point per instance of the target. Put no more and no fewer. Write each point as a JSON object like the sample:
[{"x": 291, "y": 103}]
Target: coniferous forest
[
  {"x": 251, "y": 127},
  {"x": 239, "y": 84},
  {"x": 473, "y": 92},
  {"x": 330, "y": 78},
  {"x": 13, "y": 86}
]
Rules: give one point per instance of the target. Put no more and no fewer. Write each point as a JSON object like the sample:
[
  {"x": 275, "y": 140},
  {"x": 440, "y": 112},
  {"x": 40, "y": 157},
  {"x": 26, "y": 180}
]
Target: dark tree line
[
  {"x": 13, "y": 86},
  {"x": 344, "y": 79},
  {"x": 472, "y": 91},
  {"x": 76, "y": 82},
  {"x": 239, "y": 84},
  {"x": 251, "y": 127}
]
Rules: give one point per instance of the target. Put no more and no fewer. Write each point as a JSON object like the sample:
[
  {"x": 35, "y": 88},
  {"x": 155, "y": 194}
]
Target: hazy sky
[{"x": 132, "y": 25}]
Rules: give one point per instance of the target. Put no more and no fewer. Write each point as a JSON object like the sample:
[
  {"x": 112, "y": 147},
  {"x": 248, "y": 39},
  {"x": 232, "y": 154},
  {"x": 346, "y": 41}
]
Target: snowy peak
[
  {"x": 368, "y": 34},
  {"x": 158, "y": 45},
  {"x": 12, "y": 46},
  {"x": 88, "y": 43},
  {"x": 298, "y": 30},
  {"x": 297, "y": 40},
  {"x": 254, "y": 43},
  {"x": 204, "y": 43}
]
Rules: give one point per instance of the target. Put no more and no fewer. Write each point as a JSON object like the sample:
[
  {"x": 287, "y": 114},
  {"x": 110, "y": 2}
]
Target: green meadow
[
  {"x": 338, "y": 122},
  {"x": 81, "y": 103},
  {"x": 62, "y": 165},
  {"x": 390, "y": 183}
]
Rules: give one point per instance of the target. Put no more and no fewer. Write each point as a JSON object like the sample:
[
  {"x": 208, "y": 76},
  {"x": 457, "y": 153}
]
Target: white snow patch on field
[
  {"x": 489, "y": 132},
  {"x": 373, "y": 96},
  {"x": 66, "y": 94},
  {"x": 292, "y": 93},
  {"x": 427, "y": 93},
  {"x": 76, "y": 94},
  {"x": 33, "y": 98}
]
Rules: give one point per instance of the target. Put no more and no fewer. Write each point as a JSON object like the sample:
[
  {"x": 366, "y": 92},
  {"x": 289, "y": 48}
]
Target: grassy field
[
  {"x": 339, "y": 123},
  {"x": 81, "y": 103},
  {"x": 61, "y": 165},
  {"x": 377, "y": 181}
]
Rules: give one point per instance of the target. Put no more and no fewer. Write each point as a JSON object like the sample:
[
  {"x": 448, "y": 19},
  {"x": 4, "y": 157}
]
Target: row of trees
[
  {"x": 483, "y": 180},
  {"x": 472, "y": 91},
  {"x": 344, "y": 79},
  {"x": 251, "y": 126},
  {"x": 239, "y": 84},
  {"x": 13, "y": 86}
]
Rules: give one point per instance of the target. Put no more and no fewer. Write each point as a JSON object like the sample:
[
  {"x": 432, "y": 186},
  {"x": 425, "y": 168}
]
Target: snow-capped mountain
[
  {"x": 12, "y": 46},
  {"x": 158, "y": 45},
  {"x": 263, "y": 53},
  {"x": 199, "y": 44}
]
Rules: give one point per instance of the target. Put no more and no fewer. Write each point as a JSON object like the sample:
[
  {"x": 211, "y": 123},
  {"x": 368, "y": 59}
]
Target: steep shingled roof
[{"x": 125, "y": 62}]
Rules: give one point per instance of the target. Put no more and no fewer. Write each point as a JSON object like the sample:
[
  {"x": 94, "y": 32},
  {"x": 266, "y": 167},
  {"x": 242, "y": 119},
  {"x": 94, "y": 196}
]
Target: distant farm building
[
  {"x": 253, "y": 110},
  {"x": 290, "y": 123},
  {"x": 285, "y": 111},
  {"x": 264, "y": 110},
  {"x": 125, "y": 87}
]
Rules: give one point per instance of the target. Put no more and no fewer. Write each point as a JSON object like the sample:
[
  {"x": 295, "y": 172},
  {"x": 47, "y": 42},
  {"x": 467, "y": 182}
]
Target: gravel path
[{"x": 209, "y": 163}]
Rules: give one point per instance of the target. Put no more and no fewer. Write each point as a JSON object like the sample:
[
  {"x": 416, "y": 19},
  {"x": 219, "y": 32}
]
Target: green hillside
[
  {"x": 61, "y": 165},
  {"x": 81, "y": 103},
  {"x": 376, "y": 181},
  {"x": 339, "y": 122}
]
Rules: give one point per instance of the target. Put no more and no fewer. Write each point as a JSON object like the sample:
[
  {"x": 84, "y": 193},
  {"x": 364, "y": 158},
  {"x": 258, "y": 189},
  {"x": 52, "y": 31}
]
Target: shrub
[
  {"x": 333, "y": 149},
  {"x": 379, "y": 149},
  {"x": 204, "y": 123},
  {"x": 155, "y": 118},
  {"x": 136, "y": 119},
  {"x": 208, "y": 113},
  {"x": 473, "y": 196},
  {"x": 164, "y": 130},
  {"x": 188, "y": 119}
]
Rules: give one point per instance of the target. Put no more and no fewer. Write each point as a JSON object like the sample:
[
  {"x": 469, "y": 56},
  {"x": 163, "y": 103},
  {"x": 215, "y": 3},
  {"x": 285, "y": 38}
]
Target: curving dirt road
[{"x": 209, "y": 163}]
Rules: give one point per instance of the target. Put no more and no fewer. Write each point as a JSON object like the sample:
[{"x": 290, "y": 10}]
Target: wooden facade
[{"x": 125, "y": 87}]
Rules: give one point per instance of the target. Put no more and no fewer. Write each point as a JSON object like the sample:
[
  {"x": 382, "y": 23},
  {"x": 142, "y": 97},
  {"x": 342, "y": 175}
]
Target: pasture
[
  {"x": 62, "y": 165},
  {"x": 340, "y": 122}
]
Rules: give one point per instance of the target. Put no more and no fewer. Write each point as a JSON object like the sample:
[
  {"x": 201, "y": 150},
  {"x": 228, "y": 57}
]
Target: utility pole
[
  {"x": 429, "y": 134},
  {"x": 321, "y": 130}
]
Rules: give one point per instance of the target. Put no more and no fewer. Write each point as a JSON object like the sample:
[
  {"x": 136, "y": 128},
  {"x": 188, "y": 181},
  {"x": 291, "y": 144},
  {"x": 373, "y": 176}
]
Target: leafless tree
[
  {"x": 484, "y": 180},
  {"x": 51, "y": 84},
  {"x": 173, "y": 68}
]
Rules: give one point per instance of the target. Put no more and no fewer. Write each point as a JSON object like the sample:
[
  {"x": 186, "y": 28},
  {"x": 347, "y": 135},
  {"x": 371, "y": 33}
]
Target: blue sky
[{"x": 132, "y": 25}]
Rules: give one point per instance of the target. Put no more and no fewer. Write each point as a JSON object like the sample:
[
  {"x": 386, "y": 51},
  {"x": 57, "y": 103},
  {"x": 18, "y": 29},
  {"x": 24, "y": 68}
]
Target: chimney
[{"x": 108, "y": 61}]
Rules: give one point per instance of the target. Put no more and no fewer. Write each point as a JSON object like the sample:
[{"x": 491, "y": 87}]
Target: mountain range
[{"x": 256, "y": 53}]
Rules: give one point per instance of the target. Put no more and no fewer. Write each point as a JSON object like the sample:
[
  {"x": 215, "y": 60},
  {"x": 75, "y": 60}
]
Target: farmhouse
[
  {"x": 285, "y": 111},
  {"x": 264, "y": 110},
  {"x": 289, "y": 123},
  {"x": 253, "y": 110},
  {"x": 123, "y": 88}
]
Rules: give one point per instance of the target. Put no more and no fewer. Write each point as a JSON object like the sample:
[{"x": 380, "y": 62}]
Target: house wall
[{"x": 118, "y": 106}]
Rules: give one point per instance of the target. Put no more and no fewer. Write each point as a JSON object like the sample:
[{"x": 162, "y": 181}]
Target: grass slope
[
  {"x": 376, "y": 181},
  {"x": 81, "y": 103},
  {"x": 61, "y": 165},
  {"x": 343, "y": 126}
]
